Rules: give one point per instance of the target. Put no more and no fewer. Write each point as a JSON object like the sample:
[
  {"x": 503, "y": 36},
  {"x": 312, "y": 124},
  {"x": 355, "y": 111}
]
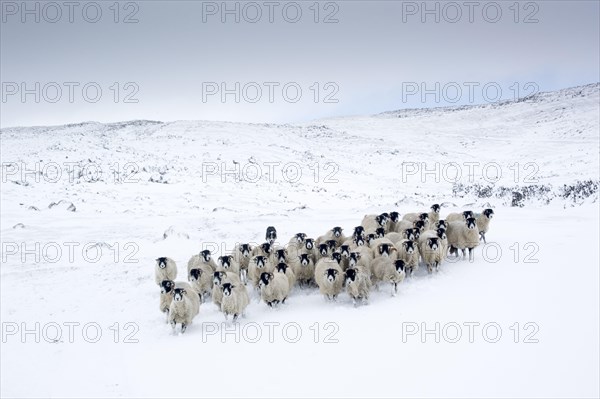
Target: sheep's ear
[
  {"x": 183, "y": 291},
  {"x": 358, "y": 255},
  {"x": 271, "y": 276},
  {"x": 335, "y": 272},
  {"x": 232, "y": 286}
]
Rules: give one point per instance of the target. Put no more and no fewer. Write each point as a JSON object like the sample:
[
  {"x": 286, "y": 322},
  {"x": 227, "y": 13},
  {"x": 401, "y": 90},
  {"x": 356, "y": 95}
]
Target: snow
[{"x": 540, "y": 265}]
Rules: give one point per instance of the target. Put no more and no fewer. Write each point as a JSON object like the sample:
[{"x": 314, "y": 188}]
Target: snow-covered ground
[{"x": 163, "y": 191}]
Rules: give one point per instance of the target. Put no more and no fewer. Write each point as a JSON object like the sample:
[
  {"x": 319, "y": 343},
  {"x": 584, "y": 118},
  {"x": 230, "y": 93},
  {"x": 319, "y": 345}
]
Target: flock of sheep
[{"x": 384, "y": 248}]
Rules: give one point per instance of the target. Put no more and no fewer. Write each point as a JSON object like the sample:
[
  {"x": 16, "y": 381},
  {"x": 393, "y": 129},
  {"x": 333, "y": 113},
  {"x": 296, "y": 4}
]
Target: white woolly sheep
[
  {"x": 264, "y": 249},
  {"x": 329, "y": 278},
  {"x": 358, "y": 284},
  {"x": 184, "y": 307},
  {"x": 220, "y": 278},
  {"x": 201, "y": 279},
  {"x": 483, "y": 222},
  {"x": 333, "y": 234},
  {"x": 234, "y": 300},
  {"x": 203, "y": 257},
  {"x": 431, "y": 250},
  {"x": 463, "y": 235},
  {"x": 303, "y": 268},
  {"x": 383, "y": 247},
  {"x": 393, "y": 222},
  {"x": 165, "y": 269},
  {"x": 409, "y": 253},
  {"x": 386, "y": 270},
  {"x": 372, "y": 222},
  {"x": 297, "y": 240},
  {"x": 274, "y": 288},
  {"x": 165, "y": 296},
  {"x": 279, "y": 255},
  {"x": 258, "y": 265},
  {"x": 459, "y": 217},
  {"x": 241, "y": 253},
  {"x": 228, "y": 264},
  {"x": 288, "y": 271}
]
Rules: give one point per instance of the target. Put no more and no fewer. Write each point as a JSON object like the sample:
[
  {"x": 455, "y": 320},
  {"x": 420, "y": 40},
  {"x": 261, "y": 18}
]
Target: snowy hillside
[{"x": 86, "y": 209}]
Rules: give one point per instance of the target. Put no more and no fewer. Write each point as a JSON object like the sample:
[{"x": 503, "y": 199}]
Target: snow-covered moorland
[{"x": 86, "y": 209}]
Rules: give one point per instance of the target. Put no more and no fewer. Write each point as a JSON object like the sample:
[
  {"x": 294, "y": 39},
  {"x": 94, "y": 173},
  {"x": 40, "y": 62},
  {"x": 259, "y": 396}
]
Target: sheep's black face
[
  {"x": 424, "y": 217},
  {"x": 227, "y": 288},
  {"x": 309, "y": 243},
  {"x": 436, "y": 208},
  {"x": 281, "y": 267},
  {"x": 441, "y": 233},
  {"x": 416, "y": 233},
  {"x": 260, "y": 261},
  {"x": 359, "y": 241},
  {"x": 441, "y": 223},
  {"x": 370, "y": 237},
  {"x": 408, "y": 234},
  {"x": 409, "y": 246},
  {"x": 419, "y": 224},
  {"x": 264, "y": 279},
  {"x": 323, "y": 249},
  {"x": 195, "y": 274},
  {"x": 245, "y": 250},
  {"x": 399, "y": 265},
  {"x": 433, "y": 243},
  {"x": 467, "y": 214},
  {"x": 178, "y": 294},
  {"x": 331, "y": 244},
  {"x": 271, "y": 235},
  {"x": 331, "y": 274},
  {"x": 489, "y": 213},
  {"x": 217, "y": 277},
  {"x": 359, "y": 231},
  {"x": 345, "y": 250},
  {"x": 162, "y": 262},
  {"x": 205, "y": 255},
  {"x": 304, "y": 261},
  {"x": 336, "y": 256},
  {"x": 354, "y": 257},
  {"x": 225, "y": 261},
  {"x": 381, "y": 220},
  {"x": 350, "y": 275},
  {"x": 471, "y": 223},
  {"x": 300, "y": 237},
  {"x": 380, "y": 232},
  {"x": 266, "y": 247},
  {"x": 337, "y": 231},
  {"x": 166, "y": 286},
  {"x": 384, "y": 249},
  {"x": 280, "y": 255},
  {"x": 394, "y": 217}
]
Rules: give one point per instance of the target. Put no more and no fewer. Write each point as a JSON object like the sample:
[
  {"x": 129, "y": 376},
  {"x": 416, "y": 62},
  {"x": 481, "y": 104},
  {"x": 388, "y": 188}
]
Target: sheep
[
  {"x": 355, "y": 242},
  {"x": 265, "y": 249},
  {"x": 288, "y": 271},
  {"x": 297, "y": 240},
  {"x": 165, "y": 269},
  {"x": 303, "y": 268},
  {"x": 372, "y": 222},
  {"x": 383, "y": 247},
  {"x": 405, "y": 224},
  {"x": 274, "y": 288},
  {"x": 441, "y": 224},
  {"x": 184, "y": 307},
  {"x": 258, "y": 265},
  {"x": 431, "y": 249},
  {"x": 361, "y": 259},
  {"x": 279, "y": 255},
  {"x": 201, "y": 279},
  {"x": 380, "y": 232},
  {"x": 323, "y": 251},
  {"x": 241, "y": 253},
  {"x": 344, "y": 253},
  {"x": 393, "y": 222},
  {"x": 483, "y": 222},
  {"x": 359, "y": 231},
  {"x": 358, "y": 284},
  {"x": 228, "y": 264},
  {"x": 409, "y": 253},
  {"x": 459, "y": 217},
  {"x": 166, "y": 287},
  {"x": 220, "y": 278},
  {"x": 328, "y": 275},
  {"x": 271, "y": 235},
  {"x": 234, "y": 300},
  {"x": 430, "y": 218},
  {"x": 333, "y": 234},
  {"x": 203, "y": 257},
  {"x": 463, "y": 235},
  {"x": 384, "y": 269}
]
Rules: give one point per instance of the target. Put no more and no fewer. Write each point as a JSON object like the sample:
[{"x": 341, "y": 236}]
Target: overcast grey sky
[{"x": 359, "y": 57}]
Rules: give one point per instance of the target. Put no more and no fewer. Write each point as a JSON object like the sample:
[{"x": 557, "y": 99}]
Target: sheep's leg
[
  {"x": 235, "y": 316},
  {"x": 173, "y": 324},
  {"x": 394, "y": 289},
  {"x": 471, "y": 254},
  {"x": 464, "y": 252},
  {"x": 183, "y": 327},
  {"x": 429, "y": 268},
  {"x": 284, "y": 300},
  {"x": 482, "y": 237},
  {"x": 354, "y": 302}
]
